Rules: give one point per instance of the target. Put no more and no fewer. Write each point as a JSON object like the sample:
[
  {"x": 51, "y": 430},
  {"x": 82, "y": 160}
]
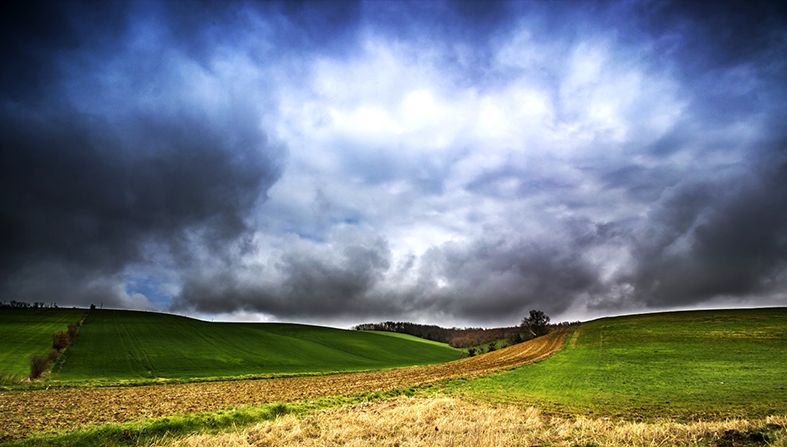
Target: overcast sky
[{"x": 451, "y": 163}]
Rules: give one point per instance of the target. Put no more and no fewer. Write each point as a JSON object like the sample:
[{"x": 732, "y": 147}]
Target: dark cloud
[
  {"x": 312, "y": 284},
  {"x": 74, "y": 188},
  {"x": 107, "y": 161},
  {"x": 499, "y": 280},
  {"x": 726, "y": 56},
  {"x": 716, "y": 243},
  {"x": 33, "y": 32},
  {"x": 484, "y": 282},
  {"x": 727, "y": 34}
]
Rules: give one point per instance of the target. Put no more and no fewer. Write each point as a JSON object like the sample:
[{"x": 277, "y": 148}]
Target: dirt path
[{"x": 23, "y": 413}]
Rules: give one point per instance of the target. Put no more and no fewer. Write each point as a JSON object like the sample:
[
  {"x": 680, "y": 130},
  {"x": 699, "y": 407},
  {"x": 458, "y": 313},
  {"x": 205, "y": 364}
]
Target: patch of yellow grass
[{"x": 452, "y": 421}]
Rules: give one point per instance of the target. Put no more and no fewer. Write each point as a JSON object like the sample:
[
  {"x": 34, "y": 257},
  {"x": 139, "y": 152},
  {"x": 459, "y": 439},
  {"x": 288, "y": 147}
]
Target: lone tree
[{"x": 536, "y": 324}]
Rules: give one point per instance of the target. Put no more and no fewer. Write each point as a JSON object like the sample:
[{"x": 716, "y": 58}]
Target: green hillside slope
[
  {"x": 685, "y": 364},
  {"x": 24, "y": 332},
  {"x": 117, "y": 345}
]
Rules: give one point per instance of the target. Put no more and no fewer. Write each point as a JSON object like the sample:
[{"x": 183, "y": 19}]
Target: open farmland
[
  {"x": 127, "y": 345},
  {"x": 25, "y": 332},
  {"x": 36, "y": 411},
  {"x": 700, "y": 364},
  {"x": 654, "y": 379}
]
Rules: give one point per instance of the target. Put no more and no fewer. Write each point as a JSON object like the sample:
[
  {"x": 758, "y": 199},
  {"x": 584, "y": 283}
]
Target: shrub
[
  {"x": 38, "y": 364},
  {"x": 491, "y": 347},
  {"x": 53, "y": 355},
  {"x": 72, "y": 331},
  {"x": 60, "y": 340},
  {"x": 471, "y": 352},
  {"x": 515, "y": 338}
]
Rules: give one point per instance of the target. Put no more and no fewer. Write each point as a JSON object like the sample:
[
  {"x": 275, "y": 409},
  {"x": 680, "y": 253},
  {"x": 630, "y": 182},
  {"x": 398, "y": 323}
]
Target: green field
[
  {"x": 24, "y": 332},
  {"x": 658, "y": 368},
  {"x": 120, "y": 345},
  {"x": 725, "y": 363}
]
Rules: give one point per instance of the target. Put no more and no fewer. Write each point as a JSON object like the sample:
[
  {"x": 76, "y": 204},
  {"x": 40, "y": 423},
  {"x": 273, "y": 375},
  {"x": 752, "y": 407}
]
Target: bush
[
  {"x": 60, "y": 340},
  {"x": 492, "y": 346},
  {"x": 38, "y": 364},
  {"x": 72, "y": 331},
  {"x": 53, "y": 355},
  {"x": 515, "y": 338}
]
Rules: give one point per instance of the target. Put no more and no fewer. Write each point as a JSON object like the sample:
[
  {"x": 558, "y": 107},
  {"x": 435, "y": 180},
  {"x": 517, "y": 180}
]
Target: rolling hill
[
  {"x": 678, "y": 367},
  {"x": 721, "y": 363},
  {"x": 120, "y": 345}
]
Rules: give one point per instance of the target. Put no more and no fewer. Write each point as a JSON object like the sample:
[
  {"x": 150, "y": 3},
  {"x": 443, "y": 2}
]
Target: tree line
[
  {"x": 26, "y": 305},
  {"x": 536, "y": 324}
]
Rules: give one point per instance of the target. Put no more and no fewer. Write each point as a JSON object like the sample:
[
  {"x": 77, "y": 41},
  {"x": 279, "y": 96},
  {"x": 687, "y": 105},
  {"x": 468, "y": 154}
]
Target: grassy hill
[
  {"x": 24, "y": 332},
  {"x": 683, "y": 364},
  {"x": 118, "y": 345}
]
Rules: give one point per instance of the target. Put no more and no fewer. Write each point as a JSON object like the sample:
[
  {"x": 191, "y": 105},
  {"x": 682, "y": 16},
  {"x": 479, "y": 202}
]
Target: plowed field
[{"x": 23, "y": 413}]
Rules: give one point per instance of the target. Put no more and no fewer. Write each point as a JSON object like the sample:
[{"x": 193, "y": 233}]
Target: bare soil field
[{"x": 27, "y": 412}]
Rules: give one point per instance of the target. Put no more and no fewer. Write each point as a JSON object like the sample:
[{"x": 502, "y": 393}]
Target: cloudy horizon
[{"x": 451, "y": 163}]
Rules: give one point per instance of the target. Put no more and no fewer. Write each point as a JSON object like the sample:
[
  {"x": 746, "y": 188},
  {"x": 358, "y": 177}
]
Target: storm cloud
[
  {"x": 454, "y": 163},
  {"x": 122, "y": 152}
]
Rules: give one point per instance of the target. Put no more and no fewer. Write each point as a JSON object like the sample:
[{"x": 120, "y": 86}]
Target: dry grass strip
[{"x": 452, "y": 421}]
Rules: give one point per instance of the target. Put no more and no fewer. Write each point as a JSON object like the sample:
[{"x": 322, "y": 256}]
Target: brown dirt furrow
[{"x": 24, "y": 413}]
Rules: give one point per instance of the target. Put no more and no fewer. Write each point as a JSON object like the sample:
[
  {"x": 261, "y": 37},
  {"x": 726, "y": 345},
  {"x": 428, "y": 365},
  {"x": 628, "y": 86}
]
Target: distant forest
[{"x": 456, "y": 337}]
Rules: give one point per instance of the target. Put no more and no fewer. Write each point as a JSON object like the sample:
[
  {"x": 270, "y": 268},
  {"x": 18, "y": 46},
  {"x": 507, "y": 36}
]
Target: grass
[
  {"x": 126, "y": 345},
  {"x": 25, "y": 332},
  {"x": 685, "y": 365}
]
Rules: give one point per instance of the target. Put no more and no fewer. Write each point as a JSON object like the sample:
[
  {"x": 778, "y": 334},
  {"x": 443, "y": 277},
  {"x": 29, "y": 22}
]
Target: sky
[{"x": 451, "y": 163}]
